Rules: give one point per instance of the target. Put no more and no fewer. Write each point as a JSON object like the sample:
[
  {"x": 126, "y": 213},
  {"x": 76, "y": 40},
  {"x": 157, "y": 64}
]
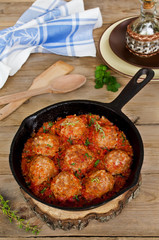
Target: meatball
[
  {"x": 105, "y": 136},
  {"x": 78, "y": 158},
  {"x": 117, "y": 161},
  {"x": 42, "y": 169},
  {"x": 65, "y": 186},
  {"x": 97, "y": 184},
  {"x": 73, "y": 127},
  {"x": 46, "y": 144}
]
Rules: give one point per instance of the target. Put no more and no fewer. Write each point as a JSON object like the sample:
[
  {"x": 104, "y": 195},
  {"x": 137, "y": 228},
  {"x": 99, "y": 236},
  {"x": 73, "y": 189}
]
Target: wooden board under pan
[{"x": 66, "y": 220}]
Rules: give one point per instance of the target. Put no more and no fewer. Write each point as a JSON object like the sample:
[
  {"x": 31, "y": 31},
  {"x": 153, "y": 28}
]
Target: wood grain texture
[
  {"x": 140, "y": 218},
  {"x": 66, "y": 220},
  {"x": 137, "y": 213},
  {"x": 56, "y": 70}
]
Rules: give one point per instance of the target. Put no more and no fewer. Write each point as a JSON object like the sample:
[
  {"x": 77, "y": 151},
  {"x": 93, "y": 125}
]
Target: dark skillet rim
[{"x": 48, "y": 108}]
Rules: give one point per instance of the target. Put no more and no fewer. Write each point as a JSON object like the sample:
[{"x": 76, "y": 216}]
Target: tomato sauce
[{"x": 75, "y": 130}]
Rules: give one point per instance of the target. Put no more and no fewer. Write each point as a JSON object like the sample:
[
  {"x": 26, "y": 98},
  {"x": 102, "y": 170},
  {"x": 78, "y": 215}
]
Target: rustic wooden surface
[
  {"x": 66, "y": 220},
  {"x": 140, "y": 218}
]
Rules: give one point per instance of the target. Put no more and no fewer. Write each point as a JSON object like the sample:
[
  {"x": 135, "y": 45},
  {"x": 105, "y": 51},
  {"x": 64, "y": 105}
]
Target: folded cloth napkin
[{"x": 48, "y": 26}]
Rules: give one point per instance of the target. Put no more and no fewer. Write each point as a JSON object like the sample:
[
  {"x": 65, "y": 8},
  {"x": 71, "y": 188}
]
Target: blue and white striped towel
[{"x": 48, "y": 26}]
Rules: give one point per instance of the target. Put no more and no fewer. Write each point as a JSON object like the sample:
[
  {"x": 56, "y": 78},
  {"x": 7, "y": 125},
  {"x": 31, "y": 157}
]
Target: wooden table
[{"x": 140, "y": 218}]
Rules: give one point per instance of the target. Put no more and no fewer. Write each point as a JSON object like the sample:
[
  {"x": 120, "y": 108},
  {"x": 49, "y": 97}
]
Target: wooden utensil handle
[
  {"x": 58, "y": 69},
  {"x": 21, "y": 95}
]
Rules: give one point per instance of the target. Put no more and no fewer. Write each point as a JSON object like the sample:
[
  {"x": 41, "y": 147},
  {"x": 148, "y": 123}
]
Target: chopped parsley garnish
[
  {"x": 73, "y": 163},
  {"x": 44, "y": 129},
  {"x": 91, "y": 122},
  {"x": 76, "y": 197},
  {"x": 43, "y": 190},
  {"x": 87, "y": 142},
  {"x": 76, "y": 174},
  {"x": 96, "y": 163},
  {"x": 48, "y": 145},
  {"x": 123, "y": 137},
  {"x": 103, "y": 76},
  {"x": 50, "y": 124},
  {"x": 58, "y": 162},
  {"x": 87, "y": 155},
  {"x": 70, "y": 140}
]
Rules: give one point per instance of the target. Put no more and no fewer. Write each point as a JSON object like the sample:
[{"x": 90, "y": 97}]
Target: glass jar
[{"x": 142, "y": 36}]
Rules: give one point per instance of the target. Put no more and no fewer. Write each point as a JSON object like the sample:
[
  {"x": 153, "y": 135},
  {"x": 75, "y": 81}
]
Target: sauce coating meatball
[
  {"x": 78, "y": 158},
  {"x": 65, "y": 186},
  {"x": 73, "y": 127},
  {"x": 105, "y": 136},
  {"x": 117, "y": 161},
  {"x": 42, "y": 169},
  {"x": 77, "y": 161},
  {"x": 46, "y": 144},
  {"x": 97, "y": 184}
]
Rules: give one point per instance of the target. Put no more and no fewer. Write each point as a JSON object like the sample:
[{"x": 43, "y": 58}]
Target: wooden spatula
[{"x": 56, "y": 70}]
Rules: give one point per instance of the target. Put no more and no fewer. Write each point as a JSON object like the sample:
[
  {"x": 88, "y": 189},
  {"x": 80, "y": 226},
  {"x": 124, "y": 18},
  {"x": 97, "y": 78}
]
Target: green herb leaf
[
  {"x": 4, "y": 206},
  {"x": 96, "y": 163},
  {"x": 50, "y": 124},
  {"x": 44, "y": 129},
  {"x": 70, "y": 140},
  {"x": 100, "y": 129},
  {"x": 87, "y": 155},
  {"x": 76, "y": 174},
  {"x": 87, "y": 142},
  {"x": 91, "y": 122},
  {"x": 48, "y": 145},
  {"x": 95, "y": 180},
  {"x": 73, "y": 163},
  {"x": 76, "y": 197},
  {"x": 43, "y": 190},
  {"x": 69, "y": 123},
  {"x": 103, "y": 76}
]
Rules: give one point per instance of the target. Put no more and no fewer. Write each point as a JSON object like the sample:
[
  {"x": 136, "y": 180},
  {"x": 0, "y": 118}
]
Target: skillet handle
[{"x": 132, "y": 88}]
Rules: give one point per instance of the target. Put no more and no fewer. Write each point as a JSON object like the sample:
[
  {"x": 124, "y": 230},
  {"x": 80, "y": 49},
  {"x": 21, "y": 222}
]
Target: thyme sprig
[
  {"x": 69, "y": 123},
  {"x": 12, "y": 215},
  {"x": 100, "y": 129},
  {"x": 96, "y": 179}
]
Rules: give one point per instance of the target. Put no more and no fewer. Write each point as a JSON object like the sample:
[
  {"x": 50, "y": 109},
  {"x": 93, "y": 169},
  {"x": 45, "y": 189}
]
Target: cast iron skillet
[{"x": 112, "y": 111}]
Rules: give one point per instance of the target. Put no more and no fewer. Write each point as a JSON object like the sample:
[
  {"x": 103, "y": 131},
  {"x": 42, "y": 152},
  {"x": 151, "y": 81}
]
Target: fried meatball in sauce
[
  {"x": 46, "y": 144},
  {"x": 105, "y": 136},
  {"x": 73, "y": 127},
  {"x": 97, "y": 184},
  {"x": 42, "y": 169},
  {"x": 78, "y": 158},
  {"x": 65, "y": 186},
  {"x": 117, "y": 161}
]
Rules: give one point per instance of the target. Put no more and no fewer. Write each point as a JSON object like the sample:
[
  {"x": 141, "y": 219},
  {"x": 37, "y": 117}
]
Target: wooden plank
[
  {"x": 17, "y": 1},
  {"x": 137, "y": 213},
  {"x": 57, "y": 69},
  {"x": 125, "y": 9},
  {"x": 142, "y": 107},
  {"x": 66, "y": 220},
  {"x": 84, "y": 238}
]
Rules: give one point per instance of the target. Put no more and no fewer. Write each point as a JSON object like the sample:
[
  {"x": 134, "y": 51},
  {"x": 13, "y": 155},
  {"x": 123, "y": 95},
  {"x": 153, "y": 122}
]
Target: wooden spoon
[{"x": 62, "y": 84}]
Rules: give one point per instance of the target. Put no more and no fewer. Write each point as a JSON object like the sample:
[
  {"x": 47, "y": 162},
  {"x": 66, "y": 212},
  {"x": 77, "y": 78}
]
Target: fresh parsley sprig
[
  {"x": 103, "y": 77},
  {"x": 12, "y": 215}
]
